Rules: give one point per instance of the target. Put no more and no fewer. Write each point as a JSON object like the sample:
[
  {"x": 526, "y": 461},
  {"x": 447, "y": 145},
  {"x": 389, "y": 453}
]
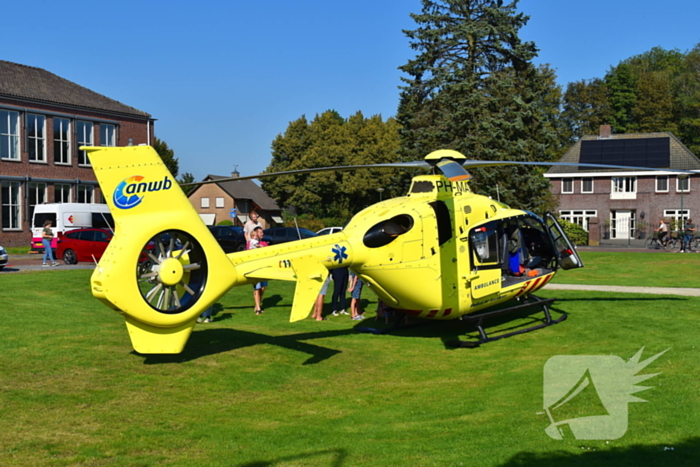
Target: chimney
[
  {"x": 605, "y": 132},
  {"x": 235, "y": 173}
]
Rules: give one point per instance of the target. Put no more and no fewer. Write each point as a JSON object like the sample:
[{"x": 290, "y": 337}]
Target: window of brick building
[
  {"x": 36, "y": 137},
  {"x": 61, "y": 193},
  {"x": 9, "y": 135},
  {"x": 567, "y": 185},
  {"x": 86, "y": 194},
  {"x": 108, "y": 134},
  {"x": 85, "y": 138},
  {"x": 61, "y": 140},
  {"x": 11, "y": 206}
]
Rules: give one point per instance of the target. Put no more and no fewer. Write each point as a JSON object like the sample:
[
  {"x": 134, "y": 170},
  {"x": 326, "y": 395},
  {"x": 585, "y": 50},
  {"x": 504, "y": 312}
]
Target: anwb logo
[
  {"x": 587, "y": 396},
  {"x": 126, "y": 195}
]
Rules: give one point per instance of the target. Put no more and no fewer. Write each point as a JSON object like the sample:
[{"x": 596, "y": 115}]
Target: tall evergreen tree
[
  {"x": 168, "y": 156},
  {"x": 473, "y": 87}
]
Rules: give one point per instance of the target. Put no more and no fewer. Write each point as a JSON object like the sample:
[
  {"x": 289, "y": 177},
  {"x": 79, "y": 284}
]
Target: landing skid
[{"x": 478, "y": 321}]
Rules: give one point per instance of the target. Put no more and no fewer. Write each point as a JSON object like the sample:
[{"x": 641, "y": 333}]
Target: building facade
[
  {"x": 627, "y": 203},
  {"x": 44, "y": 120},
  {"x": 234, "y": 200}
]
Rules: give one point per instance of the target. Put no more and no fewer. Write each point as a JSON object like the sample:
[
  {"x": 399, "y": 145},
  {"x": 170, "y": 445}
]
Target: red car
[{"x": 86, "y": 245}]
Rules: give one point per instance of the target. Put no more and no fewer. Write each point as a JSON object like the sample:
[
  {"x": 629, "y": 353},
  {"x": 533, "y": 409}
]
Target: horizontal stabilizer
[{"x": 311, "y": 275}]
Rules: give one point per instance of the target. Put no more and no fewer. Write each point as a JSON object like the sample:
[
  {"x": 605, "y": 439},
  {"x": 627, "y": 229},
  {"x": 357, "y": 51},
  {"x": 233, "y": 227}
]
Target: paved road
[
  {"x": 32, "y": 262},
  {"x": 616, "y": 288}
]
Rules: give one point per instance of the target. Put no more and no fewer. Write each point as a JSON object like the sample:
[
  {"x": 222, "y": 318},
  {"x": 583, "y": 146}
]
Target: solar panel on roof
[{"x": 640, "y": 152}]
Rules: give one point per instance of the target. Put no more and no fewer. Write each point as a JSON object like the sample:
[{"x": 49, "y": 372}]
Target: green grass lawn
[{"x": 260, "y": 391}]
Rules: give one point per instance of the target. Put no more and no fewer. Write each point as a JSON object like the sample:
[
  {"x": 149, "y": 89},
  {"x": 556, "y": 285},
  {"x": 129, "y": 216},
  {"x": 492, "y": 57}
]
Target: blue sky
[{"x": 223, "y": 78}]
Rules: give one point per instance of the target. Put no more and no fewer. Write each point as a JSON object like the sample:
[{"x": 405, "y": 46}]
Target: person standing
[
  {"x": 318, "y": 306},
  {"x": 688, "y": 237},
  {"x": 249, "y": 226},
  {"x": 259, "y": 288},
  {"x": 46, "y": 237},
  {"x": 355, "y": 287},
  {"x": 340, "y": 282}
]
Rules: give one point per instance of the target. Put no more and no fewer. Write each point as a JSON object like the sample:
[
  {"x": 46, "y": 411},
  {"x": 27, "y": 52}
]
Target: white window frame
[
  {"x": 85, "y": 194},
  {"x": 61, "y": 141},
  {"x": 11, "y": 205},
  {"x": 85, "y": 137},
  {"x": 678, "y": 185},
  {"x": 659, "y": 178},
  {"x": 108, "y": 134},
  {"x": 204, "y": 203},
  {"x": 564, "y": 182},
  {"x": 623, "y": 188},
  {"x": 9, "y": 135},
  {"x": 578, "y": 216},
  {"x": 62, "y": 193},
  {"x": 583, "y": 190},
  {"x": 676, "y": 215},
  {"x": 36, "y": 141},
  {"x": 220, "y": 202}
]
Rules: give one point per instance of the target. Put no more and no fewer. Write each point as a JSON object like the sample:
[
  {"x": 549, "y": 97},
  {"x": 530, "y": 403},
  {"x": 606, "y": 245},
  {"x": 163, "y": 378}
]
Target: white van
[{"x": 65, "y": 217}]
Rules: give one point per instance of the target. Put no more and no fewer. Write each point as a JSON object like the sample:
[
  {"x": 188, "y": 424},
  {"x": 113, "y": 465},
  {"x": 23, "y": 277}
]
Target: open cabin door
[
  {"x": 567, "y": 256},
  {"x": 486, "y": 260}
]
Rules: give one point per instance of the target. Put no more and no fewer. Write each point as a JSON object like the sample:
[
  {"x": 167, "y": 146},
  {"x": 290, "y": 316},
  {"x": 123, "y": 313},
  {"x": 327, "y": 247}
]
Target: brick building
[
  {"x": 626, "y": 203},
  {"x": 217, "y": 200},
  {"x": 44, "y": 119}
]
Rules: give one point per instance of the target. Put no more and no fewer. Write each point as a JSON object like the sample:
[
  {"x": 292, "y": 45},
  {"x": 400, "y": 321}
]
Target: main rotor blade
[
  {"x": 474, "y": 163},
  {"x": 401, "y": 165}
]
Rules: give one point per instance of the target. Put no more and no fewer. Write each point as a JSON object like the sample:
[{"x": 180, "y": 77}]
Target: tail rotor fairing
[{"x": 176, "y": 273}]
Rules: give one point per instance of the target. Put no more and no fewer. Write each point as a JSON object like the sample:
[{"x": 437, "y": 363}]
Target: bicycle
[
  {"x": 675, "y": 242},
  {"x": 653, "y": 243}
]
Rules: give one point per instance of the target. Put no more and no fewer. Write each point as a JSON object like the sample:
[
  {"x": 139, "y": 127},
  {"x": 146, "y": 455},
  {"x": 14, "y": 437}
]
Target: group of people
[
  {"x": 688, "y": 233},
  {"x": 342, "y": 278}
]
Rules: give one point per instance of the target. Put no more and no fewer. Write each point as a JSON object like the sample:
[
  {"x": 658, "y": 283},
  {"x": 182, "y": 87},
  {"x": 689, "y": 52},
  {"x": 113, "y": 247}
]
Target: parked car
[
  {"x": 286, "y": 234},
  {"x": 329, "y": 230},
  {"x": 3, "y": 257},
  {"x": 87, "y": 245},
  {"x": 230, "y": 237}
]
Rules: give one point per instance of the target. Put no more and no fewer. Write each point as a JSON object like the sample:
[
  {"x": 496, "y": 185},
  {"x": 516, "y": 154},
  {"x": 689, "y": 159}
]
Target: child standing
[{"x": 355, "y": 286}]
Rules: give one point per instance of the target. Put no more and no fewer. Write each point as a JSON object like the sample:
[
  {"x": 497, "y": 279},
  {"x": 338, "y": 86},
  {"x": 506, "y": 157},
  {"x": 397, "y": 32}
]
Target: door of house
[{"x": 621, "y": 222}]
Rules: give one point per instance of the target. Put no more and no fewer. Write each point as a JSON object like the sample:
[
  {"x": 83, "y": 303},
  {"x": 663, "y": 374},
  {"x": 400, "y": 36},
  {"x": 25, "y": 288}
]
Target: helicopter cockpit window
[{"x": 386, "y": 231}]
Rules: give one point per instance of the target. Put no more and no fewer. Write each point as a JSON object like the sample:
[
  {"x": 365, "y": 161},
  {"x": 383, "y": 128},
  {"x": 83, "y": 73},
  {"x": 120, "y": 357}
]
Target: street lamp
[
  {"x": 380, "y": 190},
  {"x": 682, "y": 178}
]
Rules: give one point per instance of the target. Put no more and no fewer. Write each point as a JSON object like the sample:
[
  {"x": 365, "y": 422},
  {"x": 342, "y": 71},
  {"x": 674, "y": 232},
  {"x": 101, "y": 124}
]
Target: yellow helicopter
[{"x": 440, "y": 252}]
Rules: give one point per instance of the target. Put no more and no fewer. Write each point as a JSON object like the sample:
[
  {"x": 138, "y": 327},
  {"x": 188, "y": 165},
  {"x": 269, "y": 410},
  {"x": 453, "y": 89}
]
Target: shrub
[
  {"x": 575, "y": 232},
  {"x": 225, "y": 222}
]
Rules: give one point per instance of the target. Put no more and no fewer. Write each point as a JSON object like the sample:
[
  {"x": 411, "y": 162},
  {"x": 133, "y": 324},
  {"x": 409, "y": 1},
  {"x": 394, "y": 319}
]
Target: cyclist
[{"x": 662, "y": 232}]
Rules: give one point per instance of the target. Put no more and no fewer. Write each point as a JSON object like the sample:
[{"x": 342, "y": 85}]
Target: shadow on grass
[
  {"x": 449, "y": 331},
  {"x": 684, "y": 453},
  {"x": 214, "y": 341},
  {"x": 337, "y": 459}
]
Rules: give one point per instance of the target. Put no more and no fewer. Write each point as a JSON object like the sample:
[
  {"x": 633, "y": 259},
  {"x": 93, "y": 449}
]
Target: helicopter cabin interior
[{"x": 519, "y": 246}]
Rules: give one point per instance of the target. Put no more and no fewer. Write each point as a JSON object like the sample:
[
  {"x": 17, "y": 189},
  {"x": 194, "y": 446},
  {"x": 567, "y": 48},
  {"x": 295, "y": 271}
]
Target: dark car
[
  {"x": 279, "y": 235},
  {"x": 230, "y": 237}
]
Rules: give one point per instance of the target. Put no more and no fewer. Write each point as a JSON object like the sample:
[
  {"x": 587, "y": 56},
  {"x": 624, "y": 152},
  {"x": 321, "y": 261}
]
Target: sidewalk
[
  {"x": 32, "y": 262},
  {"x": 617, "y": 288}
]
